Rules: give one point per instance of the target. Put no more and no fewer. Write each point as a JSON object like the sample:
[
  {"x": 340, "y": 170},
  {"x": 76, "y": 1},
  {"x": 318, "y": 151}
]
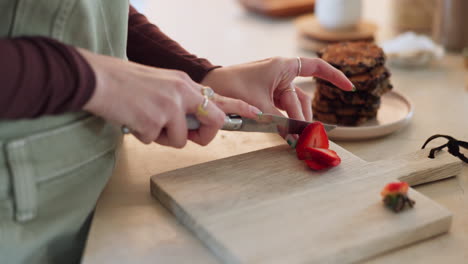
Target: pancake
[
  {"x": 366, "y": 81},
  {"x": 369, "y": 80},
  {"x": 331, "y": 118},
  {"x": 345, "y": 110},
  {"x": 353, "y": 58},
  {"x": 331, "y": 92}
]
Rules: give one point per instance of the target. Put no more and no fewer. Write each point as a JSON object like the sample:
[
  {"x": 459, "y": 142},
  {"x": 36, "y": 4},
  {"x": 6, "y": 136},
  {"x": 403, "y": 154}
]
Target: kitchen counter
[{"x": 129, "y": 226}]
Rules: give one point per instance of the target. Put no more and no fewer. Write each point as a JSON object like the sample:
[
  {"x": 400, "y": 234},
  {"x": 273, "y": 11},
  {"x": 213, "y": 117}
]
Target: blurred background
[{"x": 235, "y": 31}]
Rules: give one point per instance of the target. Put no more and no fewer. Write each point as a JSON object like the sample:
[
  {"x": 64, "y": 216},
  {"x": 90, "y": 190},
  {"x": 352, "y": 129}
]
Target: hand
[
  {"x": 153, "y": 102},
  {"x": 266, "y": 84}
]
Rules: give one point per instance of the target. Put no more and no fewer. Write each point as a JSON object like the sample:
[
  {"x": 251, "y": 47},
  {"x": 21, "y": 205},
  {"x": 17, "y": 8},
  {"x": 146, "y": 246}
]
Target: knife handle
[{"x": 231, "y": 122}]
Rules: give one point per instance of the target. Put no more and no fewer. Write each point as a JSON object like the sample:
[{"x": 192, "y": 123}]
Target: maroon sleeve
[
  {"x": 41, "y": 76},
  {"x": 148, "y": 45}
]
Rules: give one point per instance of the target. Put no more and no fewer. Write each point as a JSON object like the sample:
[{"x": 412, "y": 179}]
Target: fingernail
[
  {"x": 291, "y": 140},
  {"x": 354, "y": 88},
  {"x": 255, "y": 110}
]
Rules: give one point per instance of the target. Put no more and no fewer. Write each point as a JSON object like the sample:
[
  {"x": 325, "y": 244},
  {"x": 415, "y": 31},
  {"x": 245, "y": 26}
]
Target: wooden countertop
[{"x": 130, "y": 226}]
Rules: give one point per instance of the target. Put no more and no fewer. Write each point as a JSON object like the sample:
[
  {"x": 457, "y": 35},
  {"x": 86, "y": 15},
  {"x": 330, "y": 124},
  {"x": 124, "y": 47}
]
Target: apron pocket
[{"x": 49, "y": 155}]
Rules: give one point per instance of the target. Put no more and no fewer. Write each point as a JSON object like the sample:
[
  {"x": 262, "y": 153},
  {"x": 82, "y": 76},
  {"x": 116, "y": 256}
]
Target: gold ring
[
  {"x": 208, "y": 92},
  {"x": 292, "y": 90},
  {"x": 299, "y": 68},
  {"x": 201, "y": 109}
]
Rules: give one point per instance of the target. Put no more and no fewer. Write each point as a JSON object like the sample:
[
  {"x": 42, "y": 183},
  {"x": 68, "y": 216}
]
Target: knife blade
[{"x": 266, "y": 123}]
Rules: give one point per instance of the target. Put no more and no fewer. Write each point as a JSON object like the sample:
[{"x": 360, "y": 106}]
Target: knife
[{"x": 265, "y": 123}]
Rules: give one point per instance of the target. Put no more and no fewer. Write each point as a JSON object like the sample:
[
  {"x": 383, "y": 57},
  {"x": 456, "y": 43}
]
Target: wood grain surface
[
  {"x": 279, "y": 8},
  {"x": 309, "y": 26},
  {"x": 268, "y": 207}
]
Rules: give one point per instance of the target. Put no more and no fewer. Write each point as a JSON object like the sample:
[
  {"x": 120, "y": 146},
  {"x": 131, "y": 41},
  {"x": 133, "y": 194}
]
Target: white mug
[{"x": 338, "y": 14}]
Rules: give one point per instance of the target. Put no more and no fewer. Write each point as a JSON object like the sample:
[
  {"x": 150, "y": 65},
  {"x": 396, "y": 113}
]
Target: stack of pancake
[{"x": 363, "y": 63}]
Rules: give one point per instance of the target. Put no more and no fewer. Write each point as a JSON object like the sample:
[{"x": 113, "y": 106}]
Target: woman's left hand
[{"x": 267, "y": 84}]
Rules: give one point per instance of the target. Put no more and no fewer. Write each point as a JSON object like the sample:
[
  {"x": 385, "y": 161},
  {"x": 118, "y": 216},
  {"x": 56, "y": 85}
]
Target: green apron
[{"x": 52, "y": 169}]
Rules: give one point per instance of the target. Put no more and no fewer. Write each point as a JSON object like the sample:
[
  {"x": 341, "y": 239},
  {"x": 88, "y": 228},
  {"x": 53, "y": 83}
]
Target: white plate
[{"x": 395, "y": 112}]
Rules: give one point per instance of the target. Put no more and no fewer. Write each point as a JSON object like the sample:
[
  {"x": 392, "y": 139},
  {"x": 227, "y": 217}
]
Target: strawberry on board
[
  {"x": 323, "y": 156},
  {"x": 312, "y": 146},
  {"x": 315, "y": 165},
  {"x": 395, "y": 196},
  {"x": 313, "y": 136}
]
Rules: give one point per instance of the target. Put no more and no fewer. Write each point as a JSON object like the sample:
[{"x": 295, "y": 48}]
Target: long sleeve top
[{"x": 42, "y": 76}]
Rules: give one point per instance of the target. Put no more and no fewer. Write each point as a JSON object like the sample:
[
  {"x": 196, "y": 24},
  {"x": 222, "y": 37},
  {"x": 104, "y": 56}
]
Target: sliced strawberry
[
  {"x": 313, "y": 136},
  {"x": 302, "y": 154},
  {"x": 324, "y": 157},
  {"x": 315, "y": 165}
]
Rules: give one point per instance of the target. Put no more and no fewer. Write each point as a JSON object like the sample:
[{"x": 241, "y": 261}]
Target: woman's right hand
[{"x": 153, "y": 102}]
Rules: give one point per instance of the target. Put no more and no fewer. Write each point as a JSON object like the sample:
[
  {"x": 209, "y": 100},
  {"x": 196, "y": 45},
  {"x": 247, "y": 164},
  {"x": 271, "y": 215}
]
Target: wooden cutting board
[
  {"x": 268, "y": 207},
  {"x": 312, "y": 36},
  {"x": 279, "y": 8}
]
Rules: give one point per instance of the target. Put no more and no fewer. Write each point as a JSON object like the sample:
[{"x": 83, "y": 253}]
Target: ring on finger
[
  {"x": 207, "y": 92},
  {"x": 201, "y": 109}
]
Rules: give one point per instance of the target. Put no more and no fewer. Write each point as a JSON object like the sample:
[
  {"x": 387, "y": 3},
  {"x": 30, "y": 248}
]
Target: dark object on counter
[
  {"x": 450, "y": 24},
  {"x": 279, "y": 8},
  {"x": 453, "y": 146}
]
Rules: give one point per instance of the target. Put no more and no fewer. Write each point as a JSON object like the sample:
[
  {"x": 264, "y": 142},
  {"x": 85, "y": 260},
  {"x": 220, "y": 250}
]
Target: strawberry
[
  {"x": 312, "y": 146},
  {"x": 395, "y": 196},
  {"x": 394, "y": 188},
  {"x": 315, "y": 165},
  {"x": 313, "y": 136},
  {"x": 325, "y": 157}
]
